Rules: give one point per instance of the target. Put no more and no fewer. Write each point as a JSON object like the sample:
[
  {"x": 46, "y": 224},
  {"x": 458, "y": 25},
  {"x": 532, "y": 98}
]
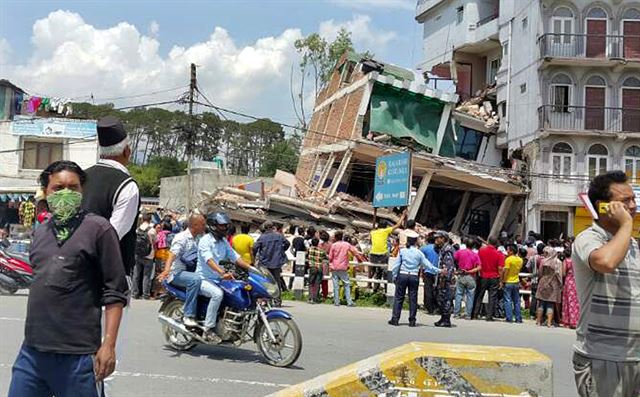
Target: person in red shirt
[{"x": 491, "y": 262}]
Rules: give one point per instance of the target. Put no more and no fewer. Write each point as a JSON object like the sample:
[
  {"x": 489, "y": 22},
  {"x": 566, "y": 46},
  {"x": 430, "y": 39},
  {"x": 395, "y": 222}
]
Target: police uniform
[{"x": 444, "y": 285}]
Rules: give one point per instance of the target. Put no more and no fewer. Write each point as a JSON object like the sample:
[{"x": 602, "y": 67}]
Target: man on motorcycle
[
  {"x": 212, "y": 249},
  {"x": 177, "y": 272}
]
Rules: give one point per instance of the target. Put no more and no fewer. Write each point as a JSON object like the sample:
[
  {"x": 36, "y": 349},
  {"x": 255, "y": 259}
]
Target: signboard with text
[
  {"x": 392, "y": 186},
  {"x": 53, "y": 127}
]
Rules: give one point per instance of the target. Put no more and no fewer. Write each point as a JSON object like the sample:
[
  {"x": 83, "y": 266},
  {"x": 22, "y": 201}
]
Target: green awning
[{"x": 404, "y": 114}]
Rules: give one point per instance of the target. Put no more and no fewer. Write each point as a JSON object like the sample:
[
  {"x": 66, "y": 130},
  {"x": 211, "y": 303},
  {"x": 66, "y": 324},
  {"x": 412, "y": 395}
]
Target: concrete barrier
[{"x": 434, "y": 369}]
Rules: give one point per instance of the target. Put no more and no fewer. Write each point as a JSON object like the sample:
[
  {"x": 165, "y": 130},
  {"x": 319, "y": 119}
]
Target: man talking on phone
[{"x": 606, "y": 260}]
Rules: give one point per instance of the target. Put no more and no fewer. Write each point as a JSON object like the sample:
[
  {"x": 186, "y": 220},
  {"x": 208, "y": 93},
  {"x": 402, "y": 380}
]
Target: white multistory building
[{"x": 567, "y": 76}]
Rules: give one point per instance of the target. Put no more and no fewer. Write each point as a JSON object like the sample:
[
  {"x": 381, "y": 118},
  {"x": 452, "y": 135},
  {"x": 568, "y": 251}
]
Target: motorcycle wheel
[
  {"x": 288, "y": 345},
  {"x": 177, "y": 340}
]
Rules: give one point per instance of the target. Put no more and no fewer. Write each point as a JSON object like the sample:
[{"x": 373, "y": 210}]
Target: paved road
[{"x": 333, "y": 337}]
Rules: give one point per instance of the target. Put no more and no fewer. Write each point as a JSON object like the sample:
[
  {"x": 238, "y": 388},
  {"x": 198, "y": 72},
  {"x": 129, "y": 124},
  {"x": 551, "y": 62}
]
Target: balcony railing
[
  {"x": 589, "y": 46},
  {"x": 487, "y": 19},
  {"x": 583, "y": 118}
]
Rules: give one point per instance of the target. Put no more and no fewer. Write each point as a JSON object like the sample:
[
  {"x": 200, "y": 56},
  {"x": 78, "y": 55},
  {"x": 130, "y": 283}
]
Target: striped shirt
[{"x": 609, "y": 326}]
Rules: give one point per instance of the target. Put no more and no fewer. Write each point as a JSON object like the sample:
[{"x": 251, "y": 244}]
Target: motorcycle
[
  {"x": 245, "y": 315},
  {"x": 15, "y": 270}
]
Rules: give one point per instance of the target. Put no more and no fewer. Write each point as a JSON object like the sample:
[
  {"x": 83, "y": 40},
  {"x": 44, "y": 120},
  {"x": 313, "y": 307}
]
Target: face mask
[{"x": 64, "y": 204}]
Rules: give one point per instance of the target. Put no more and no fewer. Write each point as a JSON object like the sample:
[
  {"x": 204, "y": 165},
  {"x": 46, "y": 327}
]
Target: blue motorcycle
[{"x": 245, "y": 315}]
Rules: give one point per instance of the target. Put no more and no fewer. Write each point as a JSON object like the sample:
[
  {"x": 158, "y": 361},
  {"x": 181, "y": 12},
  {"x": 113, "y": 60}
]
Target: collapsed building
[{"x": 370, "y": 109}]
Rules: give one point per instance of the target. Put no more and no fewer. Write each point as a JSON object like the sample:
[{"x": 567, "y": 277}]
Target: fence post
[
  {"x": 298, "y": 275},
  {"x": 391, "y": 287}
]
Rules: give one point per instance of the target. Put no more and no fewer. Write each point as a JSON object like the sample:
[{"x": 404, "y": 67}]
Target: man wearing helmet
[{"x": 212, "y": 249}]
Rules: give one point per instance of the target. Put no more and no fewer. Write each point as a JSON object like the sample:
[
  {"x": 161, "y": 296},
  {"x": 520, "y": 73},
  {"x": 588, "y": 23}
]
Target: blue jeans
[
  {"x": 511, "y": 301},
  {"x": 215, "y": 294},
  {"x": 466, "y": 286},
  {"x": 40, "y": 374},
  {"x": 191, "y": 282},
  {"x": 406, "y": 282},
  {"x": 336, "y": 276}
]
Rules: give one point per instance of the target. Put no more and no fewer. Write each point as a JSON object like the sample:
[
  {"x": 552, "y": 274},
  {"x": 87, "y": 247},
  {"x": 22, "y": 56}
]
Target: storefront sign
[
  {"x": 53, "y": 127},
  {"x": 392, "y": 180}
]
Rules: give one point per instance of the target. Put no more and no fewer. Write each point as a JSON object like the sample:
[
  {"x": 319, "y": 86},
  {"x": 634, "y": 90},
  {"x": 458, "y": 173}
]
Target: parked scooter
[
  {"x": 245, "y": 315},
  {"x": 15, "y": 270}
]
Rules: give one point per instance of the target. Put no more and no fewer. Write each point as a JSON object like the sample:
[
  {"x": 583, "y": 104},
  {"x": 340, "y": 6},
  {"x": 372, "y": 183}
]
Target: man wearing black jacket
[
  {"x": 270, "y": 252},
  {"x": 78, "y": 269}
]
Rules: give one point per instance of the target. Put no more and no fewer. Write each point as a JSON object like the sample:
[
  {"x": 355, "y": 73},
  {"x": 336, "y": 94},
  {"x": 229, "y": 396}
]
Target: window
[
  {"x": 38, "y": 155},
  {"x": 347, "y": 72},
  {"x": 632, "y": 163},
  {"x": 597, "y": 160},
  {"x": 562, "y": 25},
  {"x": 525, "y": 23},
  {"x": 561, "y": 92},
  {"x": 597, "y": 13},
  {"x": 523, "y": 88},
  {"x": 468, "y": 143},
  {"x": 459, "y": 14},
  {"x": 505, "y": 49},
  {"x": 561, "y": 159},
  {"x": 494, "y": 66}
]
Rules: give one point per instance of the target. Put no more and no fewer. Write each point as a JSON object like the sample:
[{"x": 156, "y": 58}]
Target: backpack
[{"x": 143, "y": 244}]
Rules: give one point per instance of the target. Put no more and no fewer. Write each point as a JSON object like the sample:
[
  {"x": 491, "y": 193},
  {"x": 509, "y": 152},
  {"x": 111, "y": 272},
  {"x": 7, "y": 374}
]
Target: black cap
[{"x": 110, "y": 131}]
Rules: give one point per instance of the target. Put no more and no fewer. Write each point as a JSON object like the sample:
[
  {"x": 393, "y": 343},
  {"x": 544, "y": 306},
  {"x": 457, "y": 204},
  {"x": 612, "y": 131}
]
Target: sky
[{"x": 141, "y": 50}]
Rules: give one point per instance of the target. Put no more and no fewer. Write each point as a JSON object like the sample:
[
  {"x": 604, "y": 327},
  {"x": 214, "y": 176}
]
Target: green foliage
[
  {"x": 159, "y": 139},
  {"x": 148, "y": 176}
]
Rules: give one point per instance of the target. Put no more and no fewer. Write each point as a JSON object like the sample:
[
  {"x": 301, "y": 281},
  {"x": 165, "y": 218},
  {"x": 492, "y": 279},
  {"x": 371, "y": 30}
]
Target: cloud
[
  {"x": 154, "y": 28},
  {"x": 369, "y": 4},
  {"x": 5, "y": 50},
  {"x": 363, "y": 35},
  {"x": 73, "y": 58}
]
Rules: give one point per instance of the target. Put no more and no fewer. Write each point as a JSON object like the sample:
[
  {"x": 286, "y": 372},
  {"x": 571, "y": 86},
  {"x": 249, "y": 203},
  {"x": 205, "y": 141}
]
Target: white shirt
[{"x": 125, "y": 209}]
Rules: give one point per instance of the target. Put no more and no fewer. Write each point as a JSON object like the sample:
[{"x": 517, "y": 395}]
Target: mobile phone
[{"x": 603, "y": 207}]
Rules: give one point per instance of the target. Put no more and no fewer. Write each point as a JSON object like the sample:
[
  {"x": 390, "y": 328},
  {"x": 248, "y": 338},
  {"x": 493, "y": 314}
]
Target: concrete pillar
[
  {"x": 501, "y": 216},
  {"x": 298, "y": 275},
  {"x": 391, "y": 287},
  {"x": 461, "y": 211},
  {"x": 442, "y": 127},
  {"x": 422, "y": 190},
  {"x": 344, "y": 164}
]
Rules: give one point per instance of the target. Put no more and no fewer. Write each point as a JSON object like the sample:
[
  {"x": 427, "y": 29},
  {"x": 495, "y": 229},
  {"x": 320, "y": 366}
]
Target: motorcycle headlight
[{"x": 272, "y": 289}]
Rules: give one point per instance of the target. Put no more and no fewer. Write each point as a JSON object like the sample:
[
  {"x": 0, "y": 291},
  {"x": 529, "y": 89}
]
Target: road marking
[
  {"x": 193, "y": 378},
  {"x": 188, "y": 378},
  {"x": 11, "y": 319}
]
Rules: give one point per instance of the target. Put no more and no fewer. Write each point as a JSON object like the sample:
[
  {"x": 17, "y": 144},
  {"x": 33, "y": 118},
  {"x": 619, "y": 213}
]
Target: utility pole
[{"x": 190, "y": 135}]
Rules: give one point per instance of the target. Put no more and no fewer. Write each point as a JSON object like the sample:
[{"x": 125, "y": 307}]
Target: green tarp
[{"x": 403, "y": 114}]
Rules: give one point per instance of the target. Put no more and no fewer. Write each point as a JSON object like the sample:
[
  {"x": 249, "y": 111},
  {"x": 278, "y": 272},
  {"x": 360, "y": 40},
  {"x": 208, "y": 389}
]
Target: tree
[
  {"x": 318, "y": 58},
  {"x": 282, "y": 155},
  {"x": 148, "y": 176}
]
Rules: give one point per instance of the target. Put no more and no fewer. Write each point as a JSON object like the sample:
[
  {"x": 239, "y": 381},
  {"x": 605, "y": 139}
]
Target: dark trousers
[
  {"x": 142, "y": 274},
  {"x": 40, "y": 374},
  {"x": 430, "y": 301},
  {"x": 315, "y": 280},
  {"x": 404, "y": 282},
  {"x": 489, "y": 285},
  {"x": 276, "y": 273}
]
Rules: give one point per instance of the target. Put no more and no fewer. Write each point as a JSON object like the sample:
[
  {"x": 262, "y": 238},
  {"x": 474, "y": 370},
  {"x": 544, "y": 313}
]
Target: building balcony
[
  {"x": 559, "y": 191},
  {"x": 423, "y": 6},
  {"x": 589, "y": 49},
  {"x": 589, "y": 120}
]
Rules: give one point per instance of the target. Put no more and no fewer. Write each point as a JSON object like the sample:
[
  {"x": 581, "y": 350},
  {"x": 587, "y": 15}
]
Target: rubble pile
[{"x": 481, "y": 107}]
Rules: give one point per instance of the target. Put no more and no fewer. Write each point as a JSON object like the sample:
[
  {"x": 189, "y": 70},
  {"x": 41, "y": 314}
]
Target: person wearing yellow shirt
[
  {"x": 243, "y": 244},
  {"x": 511, "y": 280},
  {"x": 379, "y": 254}
]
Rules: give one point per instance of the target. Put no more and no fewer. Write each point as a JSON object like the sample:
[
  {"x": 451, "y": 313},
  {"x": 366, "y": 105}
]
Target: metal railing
[
  {"x": 487, "y": 19},
  {"x": 589, "y": 46},
  {"x": 584, "y": 118}
]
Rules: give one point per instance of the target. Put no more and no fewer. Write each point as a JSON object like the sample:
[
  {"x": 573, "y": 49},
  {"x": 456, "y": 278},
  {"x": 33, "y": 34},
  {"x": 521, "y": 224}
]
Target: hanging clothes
[
  {"x": 34, "y": 104},
  {"x": 44, "y": 105},
  {"x": 18, "y": 103}
]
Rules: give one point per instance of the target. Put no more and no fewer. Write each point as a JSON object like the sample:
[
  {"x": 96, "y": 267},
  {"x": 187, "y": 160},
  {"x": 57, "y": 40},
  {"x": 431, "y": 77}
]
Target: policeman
[{"x": 445, "y": 279}]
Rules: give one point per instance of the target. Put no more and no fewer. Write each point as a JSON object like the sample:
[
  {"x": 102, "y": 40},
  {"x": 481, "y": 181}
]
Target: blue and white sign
[
  {"x": 392, "y": 186},
  {"x": 53, "y": 127}
]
